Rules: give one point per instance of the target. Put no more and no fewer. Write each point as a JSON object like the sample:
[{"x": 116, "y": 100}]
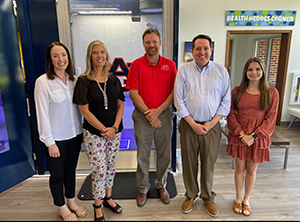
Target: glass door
[{"x": 120, "y": 27}]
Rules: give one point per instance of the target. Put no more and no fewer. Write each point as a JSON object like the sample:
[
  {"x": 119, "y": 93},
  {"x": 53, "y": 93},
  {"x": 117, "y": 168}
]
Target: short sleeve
[
  {"x": 133, "y": 76},
  {"x": 80, "y": 96},
  {"x": 119, "y": 88}
]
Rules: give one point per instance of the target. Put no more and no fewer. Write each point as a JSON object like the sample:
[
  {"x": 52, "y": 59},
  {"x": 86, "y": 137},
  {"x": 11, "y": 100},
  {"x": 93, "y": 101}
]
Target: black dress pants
[{"x": 62, "y": 170}]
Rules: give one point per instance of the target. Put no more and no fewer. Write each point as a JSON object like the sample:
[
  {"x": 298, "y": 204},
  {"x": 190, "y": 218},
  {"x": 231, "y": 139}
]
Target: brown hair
[
  {"x": 149, "y": 31},
  {"x": 264, "y": 95},
  {"x": 49, "y": 66}
]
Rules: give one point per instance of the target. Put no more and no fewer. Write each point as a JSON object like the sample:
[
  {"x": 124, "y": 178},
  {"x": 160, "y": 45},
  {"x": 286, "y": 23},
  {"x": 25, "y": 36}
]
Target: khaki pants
[
  {"x": 144, "y": 134},
  {"x": 207, "y": 147}
]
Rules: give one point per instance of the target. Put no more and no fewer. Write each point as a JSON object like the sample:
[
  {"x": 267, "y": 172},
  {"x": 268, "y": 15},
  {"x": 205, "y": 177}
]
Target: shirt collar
[
  {"x": 147, "y": 62},
  {"x": 197, "y": 67}
]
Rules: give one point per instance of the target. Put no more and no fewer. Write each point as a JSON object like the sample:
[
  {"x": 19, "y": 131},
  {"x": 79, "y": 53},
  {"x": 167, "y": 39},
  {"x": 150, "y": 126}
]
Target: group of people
[{"x": 201, "y": 94}]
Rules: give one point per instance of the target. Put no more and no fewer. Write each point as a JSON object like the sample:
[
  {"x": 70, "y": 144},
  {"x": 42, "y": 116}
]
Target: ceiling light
[
  {"x": 150, "y": 6},
  {"x": 151, "y": 10},
  {"x": 93, "y": 9},
  {"x": 104, "y": 12}
]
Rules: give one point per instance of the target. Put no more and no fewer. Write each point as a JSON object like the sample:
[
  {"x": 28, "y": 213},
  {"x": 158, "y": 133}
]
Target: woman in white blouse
[{"x": 60, "y": 128}]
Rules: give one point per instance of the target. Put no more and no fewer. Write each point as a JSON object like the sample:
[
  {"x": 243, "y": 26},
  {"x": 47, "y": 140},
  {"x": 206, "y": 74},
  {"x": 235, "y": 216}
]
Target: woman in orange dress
[{"x": 251, "y": 122}]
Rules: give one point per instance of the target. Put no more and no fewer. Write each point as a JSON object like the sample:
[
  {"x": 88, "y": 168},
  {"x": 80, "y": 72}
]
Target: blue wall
[
  {"x": 17, "y": 163},
  {"x": 37, "y": 25},
  {"x": 38, "y": 28}
]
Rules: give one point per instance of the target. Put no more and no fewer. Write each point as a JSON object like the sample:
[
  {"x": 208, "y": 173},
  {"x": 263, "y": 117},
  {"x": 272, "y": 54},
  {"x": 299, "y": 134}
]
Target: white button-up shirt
[
  {"x": 202, "y": 94},
  {"x": 58, "y": 117}
]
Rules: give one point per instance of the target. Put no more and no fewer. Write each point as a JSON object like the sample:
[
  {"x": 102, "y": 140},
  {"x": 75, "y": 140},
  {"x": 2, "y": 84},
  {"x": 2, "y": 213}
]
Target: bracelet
[
  {"x": 51, "y": 145},
  {"x": 116, "y": 129}
]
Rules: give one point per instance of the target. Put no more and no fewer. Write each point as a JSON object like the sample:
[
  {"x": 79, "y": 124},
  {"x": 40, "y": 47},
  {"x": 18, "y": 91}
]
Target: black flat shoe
[
  {"x": 98, "y": 218},
  {"x": 113, "y": 209}
]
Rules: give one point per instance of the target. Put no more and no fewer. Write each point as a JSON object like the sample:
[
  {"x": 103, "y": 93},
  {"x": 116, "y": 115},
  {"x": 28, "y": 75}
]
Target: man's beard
[{"x": 152, "y": 52}]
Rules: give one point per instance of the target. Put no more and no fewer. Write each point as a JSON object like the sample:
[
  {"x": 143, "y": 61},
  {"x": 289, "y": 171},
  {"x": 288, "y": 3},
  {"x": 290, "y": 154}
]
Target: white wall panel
[{"x": 122, "y": 37}]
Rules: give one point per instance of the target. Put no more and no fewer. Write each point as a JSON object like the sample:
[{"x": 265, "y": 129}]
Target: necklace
[
  {"x": 103, "y": 91},
  {"x": 63, "y": 78}
]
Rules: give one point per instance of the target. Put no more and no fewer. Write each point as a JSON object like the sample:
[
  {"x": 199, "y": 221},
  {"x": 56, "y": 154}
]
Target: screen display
[{"x": 4, "y": 145}]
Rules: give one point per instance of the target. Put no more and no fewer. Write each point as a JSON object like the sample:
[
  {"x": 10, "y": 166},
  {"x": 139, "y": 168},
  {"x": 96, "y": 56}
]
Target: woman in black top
[{"x": 100, "y": 99}]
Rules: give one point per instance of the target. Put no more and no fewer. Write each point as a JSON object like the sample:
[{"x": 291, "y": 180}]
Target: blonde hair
[
  {"x": 89, "y": 64},
  {"x": 264, "y": 90}
]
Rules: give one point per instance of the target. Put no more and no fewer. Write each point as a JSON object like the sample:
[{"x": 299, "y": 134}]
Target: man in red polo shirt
[{"x": 150, "y": 82}]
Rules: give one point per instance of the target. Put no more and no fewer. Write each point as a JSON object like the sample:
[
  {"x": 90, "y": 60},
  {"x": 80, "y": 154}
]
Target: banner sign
[{"x": 261, "y": 18}]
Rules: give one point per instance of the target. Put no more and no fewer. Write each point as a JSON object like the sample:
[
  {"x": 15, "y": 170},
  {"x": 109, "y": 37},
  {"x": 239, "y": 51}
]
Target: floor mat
[{"x": 125, "y": 187}]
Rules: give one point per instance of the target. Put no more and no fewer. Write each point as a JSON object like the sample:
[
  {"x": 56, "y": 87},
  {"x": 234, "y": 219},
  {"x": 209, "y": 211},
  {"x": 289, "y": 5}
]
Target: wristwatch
[
  {"x": 116, "y": 129},
  {"x": 254, "y": 136}
]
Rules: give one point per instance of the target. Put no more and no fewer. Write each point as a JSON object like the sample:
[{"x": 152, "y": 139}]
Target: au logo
[{"x": 120, "y": 69}]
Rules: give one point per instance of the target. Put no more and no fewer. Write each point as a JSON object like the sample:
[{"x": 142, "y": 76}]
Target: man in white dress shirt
[{"x": 201, "y": 97}]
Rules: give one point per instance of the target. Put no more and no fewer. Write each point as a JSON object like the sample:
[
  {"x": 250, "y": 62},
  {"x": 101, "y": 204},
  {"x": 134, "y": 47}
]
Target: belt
[{"x": 199, "y": 122}]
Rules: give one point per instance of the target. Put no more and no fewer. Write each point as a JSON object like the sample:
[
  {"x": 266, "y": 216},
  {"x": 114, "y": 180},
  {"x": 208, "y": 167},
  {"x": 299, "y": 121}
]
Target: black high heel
[
  {"x": 113, "y": 209},
  {"x": 98, "y": 218}
]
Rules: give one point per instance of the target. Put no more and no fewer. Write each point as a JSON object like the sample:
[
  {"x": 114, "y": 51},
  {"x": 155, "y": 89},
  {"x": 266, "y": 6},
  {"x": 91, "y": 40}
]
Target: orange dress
[{"x": 250, "y": 118}]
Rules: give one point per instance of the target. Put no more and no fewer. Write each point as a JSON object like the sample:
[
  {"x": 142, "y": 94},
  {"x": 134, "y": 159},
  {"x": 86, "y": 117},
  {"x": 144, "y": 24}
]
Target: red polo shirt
[{"x": 154, "y": 83}]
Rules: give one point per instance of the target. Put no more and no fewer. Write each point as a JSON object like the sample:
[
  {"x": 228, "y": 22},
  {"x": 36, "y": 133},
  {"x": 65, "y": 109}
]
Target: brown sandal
[
  {"x": 237, "y": 208},
  {"x": 247, "y": 208}
]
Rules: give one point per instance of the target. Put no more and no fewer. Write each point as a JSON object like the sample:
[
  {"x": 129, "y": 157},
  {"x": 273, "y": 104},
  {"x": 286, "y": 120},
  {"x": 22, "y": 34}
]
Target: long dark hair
[
  {"x": 264, "y": 89},
  {"x": 49, "y": 66}
]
